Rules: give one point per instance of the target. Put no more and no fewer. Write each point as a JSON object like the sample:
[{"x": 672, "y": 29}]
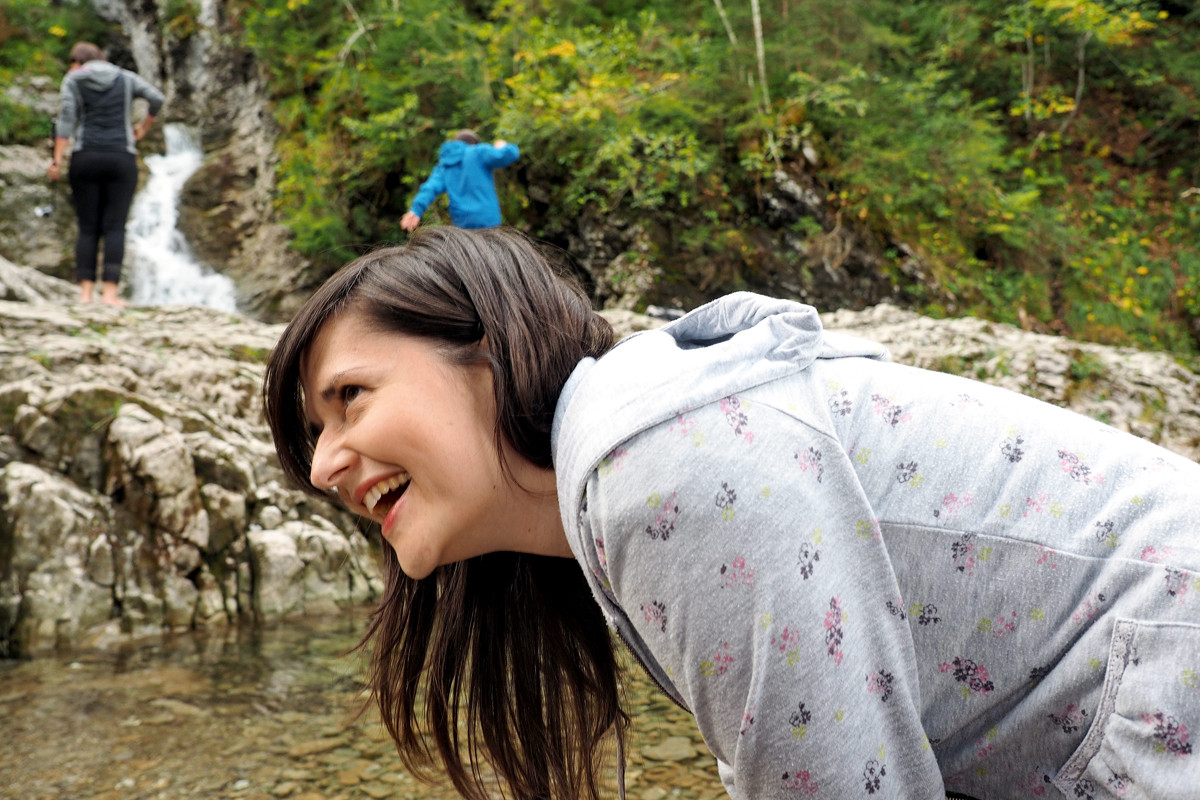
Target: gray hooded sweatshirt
[
  {"x": 869, "y": 580},
  {"x": 96, "y": 101}
]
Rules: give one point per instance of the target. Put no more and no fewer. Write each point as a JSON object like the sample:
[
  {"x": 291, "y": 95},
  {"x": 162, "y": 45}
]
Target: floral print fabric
[{"x": 876, "y": 581}]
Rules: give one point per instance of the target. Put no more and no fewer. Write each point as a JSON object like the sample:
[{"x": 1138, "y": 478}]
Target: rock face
[
  {"x": 138, "y": 486},
  {"x": 37, "y": 222},
  {"x": 1147, "y": 394}
]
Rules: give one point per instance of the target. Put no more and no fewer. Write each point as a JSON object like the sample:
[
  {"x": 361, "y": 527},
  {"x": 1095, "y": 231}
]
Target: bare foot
[
  {"x": 85, "y": 291},
  {"x": 109, "y": 296}
]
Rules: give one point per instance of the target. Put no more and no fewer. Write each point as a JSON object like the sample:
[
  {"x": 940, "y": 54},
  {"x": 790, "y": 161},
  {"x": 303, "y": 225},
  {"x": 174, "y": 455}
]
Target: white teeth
[{"x": 383, "y": 487}]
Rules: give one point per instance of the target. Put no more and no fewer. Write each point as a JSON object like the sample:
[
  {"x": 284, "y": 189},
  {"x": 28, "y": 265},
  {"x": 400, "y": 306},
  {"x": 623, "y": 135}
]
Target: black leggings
[{"x": 102, "y": 186}]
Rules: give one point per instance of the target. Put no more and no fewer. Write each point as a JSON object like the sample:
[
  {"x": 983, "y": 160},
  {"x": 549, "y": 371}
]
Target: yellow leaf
[
  {"x": 58, "y": 30},
  {"x": 564, "y": 49}
]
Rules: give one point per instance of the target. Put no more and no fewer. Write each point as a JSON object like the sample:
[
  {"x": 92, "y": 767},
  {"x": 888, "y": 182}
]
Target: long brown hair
[{"x": 510, "y": 645}]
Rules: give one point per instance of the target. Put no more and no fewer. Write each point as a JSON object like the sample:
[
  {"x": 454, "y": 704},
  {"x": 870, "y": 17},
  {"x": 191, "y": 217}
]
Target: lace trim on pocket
[{"x": 1118, "y": 659}]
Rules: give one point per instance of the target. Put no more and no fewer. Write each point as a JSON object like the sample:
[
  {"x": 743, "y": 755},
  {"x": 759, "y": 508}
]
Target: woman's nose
[{"x": 330, "y": 462}]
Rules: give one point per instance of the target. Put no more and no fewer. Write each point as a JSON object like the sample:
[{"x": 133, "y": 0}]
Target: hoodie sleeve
[
  {"x": 141, "y": 88},
  {"x": 68, "y": 114},
  {"x": 741, "y": 546},
  {"x": 429, "y": 191},
  {"x": 494, "y": 157}
]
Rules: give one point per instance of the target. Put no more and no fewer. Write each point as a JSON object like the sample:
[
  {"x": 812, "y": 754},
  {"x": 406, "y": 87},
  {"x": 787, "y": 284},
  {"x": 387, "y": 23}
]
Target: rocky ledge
[{"x": 139, "y": 487}]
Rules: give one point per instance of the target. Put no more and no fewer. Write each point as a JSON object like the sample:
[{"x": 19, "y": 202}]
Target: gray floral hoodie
[{"x": 869, "y": 580}]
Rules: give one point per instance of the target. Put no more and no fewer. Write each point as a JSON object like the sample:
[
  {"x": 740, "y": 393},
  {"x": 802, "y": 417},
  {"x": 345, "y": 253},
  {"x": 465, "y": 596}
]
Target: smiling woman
[
  {"x": 416, "y": 385},
  {"x": 865, "y": 578}
]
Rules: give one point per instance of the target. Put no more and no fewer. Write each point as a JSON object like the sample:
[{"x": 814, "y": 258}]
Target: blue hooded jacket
[{"x": 464, "y": 173}]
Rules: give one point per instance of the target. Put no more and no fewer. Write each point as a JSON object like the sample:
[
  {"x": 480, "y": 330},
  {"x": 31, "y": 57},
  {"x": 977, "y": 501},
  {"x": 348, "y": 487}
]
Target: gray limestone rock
[{"x": 133, "y": 456}]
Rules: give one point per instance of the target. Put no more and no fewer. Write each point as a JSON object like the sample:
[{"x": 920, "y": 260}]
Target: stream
[
  {"x": 165, "y": 270},
  {"x": 254, "y": 714}
]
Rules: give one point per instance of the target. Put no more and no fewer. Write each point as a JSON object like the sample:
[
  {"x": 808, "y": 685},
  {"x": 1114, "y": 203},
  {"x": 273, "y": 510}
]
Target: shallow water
[{"x": 254, "y": 714}]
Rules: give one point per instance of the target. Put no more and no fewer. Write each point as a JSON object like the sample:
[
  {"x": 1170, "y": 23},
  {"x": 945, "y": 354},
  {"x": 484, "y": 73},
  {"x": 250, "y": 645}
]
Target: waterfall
[{"x": 165, "y": 271}]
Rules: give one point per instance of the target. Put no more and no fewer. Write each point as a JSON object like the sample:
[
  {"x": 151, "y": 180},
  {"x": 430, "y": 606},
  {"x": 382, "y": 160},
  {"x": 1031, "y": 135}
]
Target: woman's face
[{"x": 406, "y": 438}]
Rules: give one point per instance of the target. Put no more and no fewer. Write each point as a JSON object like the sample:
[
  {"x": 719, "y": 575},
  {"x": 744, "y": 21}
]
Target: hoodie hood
[
  {"x": 722, "y": 348},
  {"x": 98, "y": 75},
  {"x": 452, "y": 153}
]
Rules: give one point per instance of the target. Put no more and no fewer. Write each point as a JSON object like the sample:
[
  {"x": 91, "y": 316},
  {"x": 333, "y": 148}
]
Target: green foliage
[
  {"x": 1032, "y": 155},
  {"x": 36, "y": 37}
]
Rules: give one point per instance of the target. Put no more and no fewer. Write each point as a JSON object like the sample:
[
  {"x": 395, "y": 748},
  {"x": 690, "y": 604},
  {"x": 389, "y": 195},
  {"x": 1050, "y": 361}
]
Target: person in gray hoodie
[
  {"x": 95, "y": 112},
  {"x": 863, "y": 579}
]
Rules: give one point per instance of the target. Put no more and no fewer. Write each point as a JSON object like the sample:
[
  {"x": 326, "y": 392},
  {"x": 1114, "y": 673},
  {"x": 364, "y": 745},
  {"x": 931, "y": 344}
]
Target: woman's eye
[{"x": 349, "y": 393}]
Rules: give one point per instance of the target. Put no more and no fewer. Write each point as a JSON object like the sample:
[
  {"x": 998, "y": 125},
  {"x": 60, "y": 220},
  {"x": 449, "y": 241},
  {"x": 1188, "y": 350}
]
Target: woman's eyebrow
[{"x": 330, "y": 390}]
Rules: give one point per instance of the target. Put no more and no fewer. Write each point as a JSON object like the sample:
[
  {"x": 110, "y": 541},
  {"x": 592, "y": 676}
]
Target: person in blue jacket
[{"x": 464, "y": 173}]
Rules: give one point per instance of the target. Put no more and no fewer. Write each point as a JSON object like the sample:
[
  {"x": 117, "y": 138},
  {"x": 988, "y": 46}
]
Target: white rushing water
[{"x": 165, "y": 270}]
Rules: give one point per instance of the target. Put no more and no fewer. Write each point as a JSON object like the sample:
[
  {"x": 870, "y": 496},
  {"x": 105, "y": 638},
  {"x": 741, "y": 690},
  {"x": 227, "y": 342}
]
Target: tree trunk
[
  {"x": 762, "y": 60},
  {"x": 725, "y": 21}
]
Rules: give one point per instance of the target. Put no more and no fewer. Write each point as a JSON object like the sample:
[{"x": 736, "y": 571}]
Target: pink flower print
[
  {"x": 865, "y": 528},
  {"x": 719, "y": 663},
  {"x": 891, "y": 413},
  {"x": 685, "y": 425},
  {"x": 655, "y": 613},
  {"x": 732, "y": 408},
  {"x": 1156, "y": 556},
  {"x": 600, "y": 554},
  {"x": 984, "y": 747},
  {"x": 788, "y": 642},
  {"x": 612, "y": 462},
  {"x": 1119, "y": 783},
  {"x": 880, "y": 683},
  {"x": 809, "y": 556},
  {"x": 665, "y": 516},
  {"x": 973, "y": 677},
  {"x": 1159, "y": 464},
  {"x": 1089, "y": 608},
  {"x": 1177, "y": 583},
  {"x": 952, "y": 506},
  {"x": 1035, "y": 783},
  {"x": 1070, "y": 719},
  {"x": 1000, "y": 627},
  {"x": 1169, "y": 735},
  {"x": 1072, "y": 464},
  {"x": 810, "y": 462},
  {"x": 1036, "y": 505},
  {"x": 799, "y": 782},
  {"x": 1046, "y": 556},
  {"x": 962, "y": 554},
  {"x": 725, "y": 499},
  {"x": 747, "y": 721},
  {"x": 833, "y": 630},
  {"x": 736, "y": 573}
]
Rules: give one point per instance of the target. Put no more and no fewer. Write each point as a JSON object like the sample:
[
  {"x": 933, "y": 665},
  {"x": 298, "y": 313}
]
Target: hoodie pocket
[{"x": 1142, "y": 741}]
